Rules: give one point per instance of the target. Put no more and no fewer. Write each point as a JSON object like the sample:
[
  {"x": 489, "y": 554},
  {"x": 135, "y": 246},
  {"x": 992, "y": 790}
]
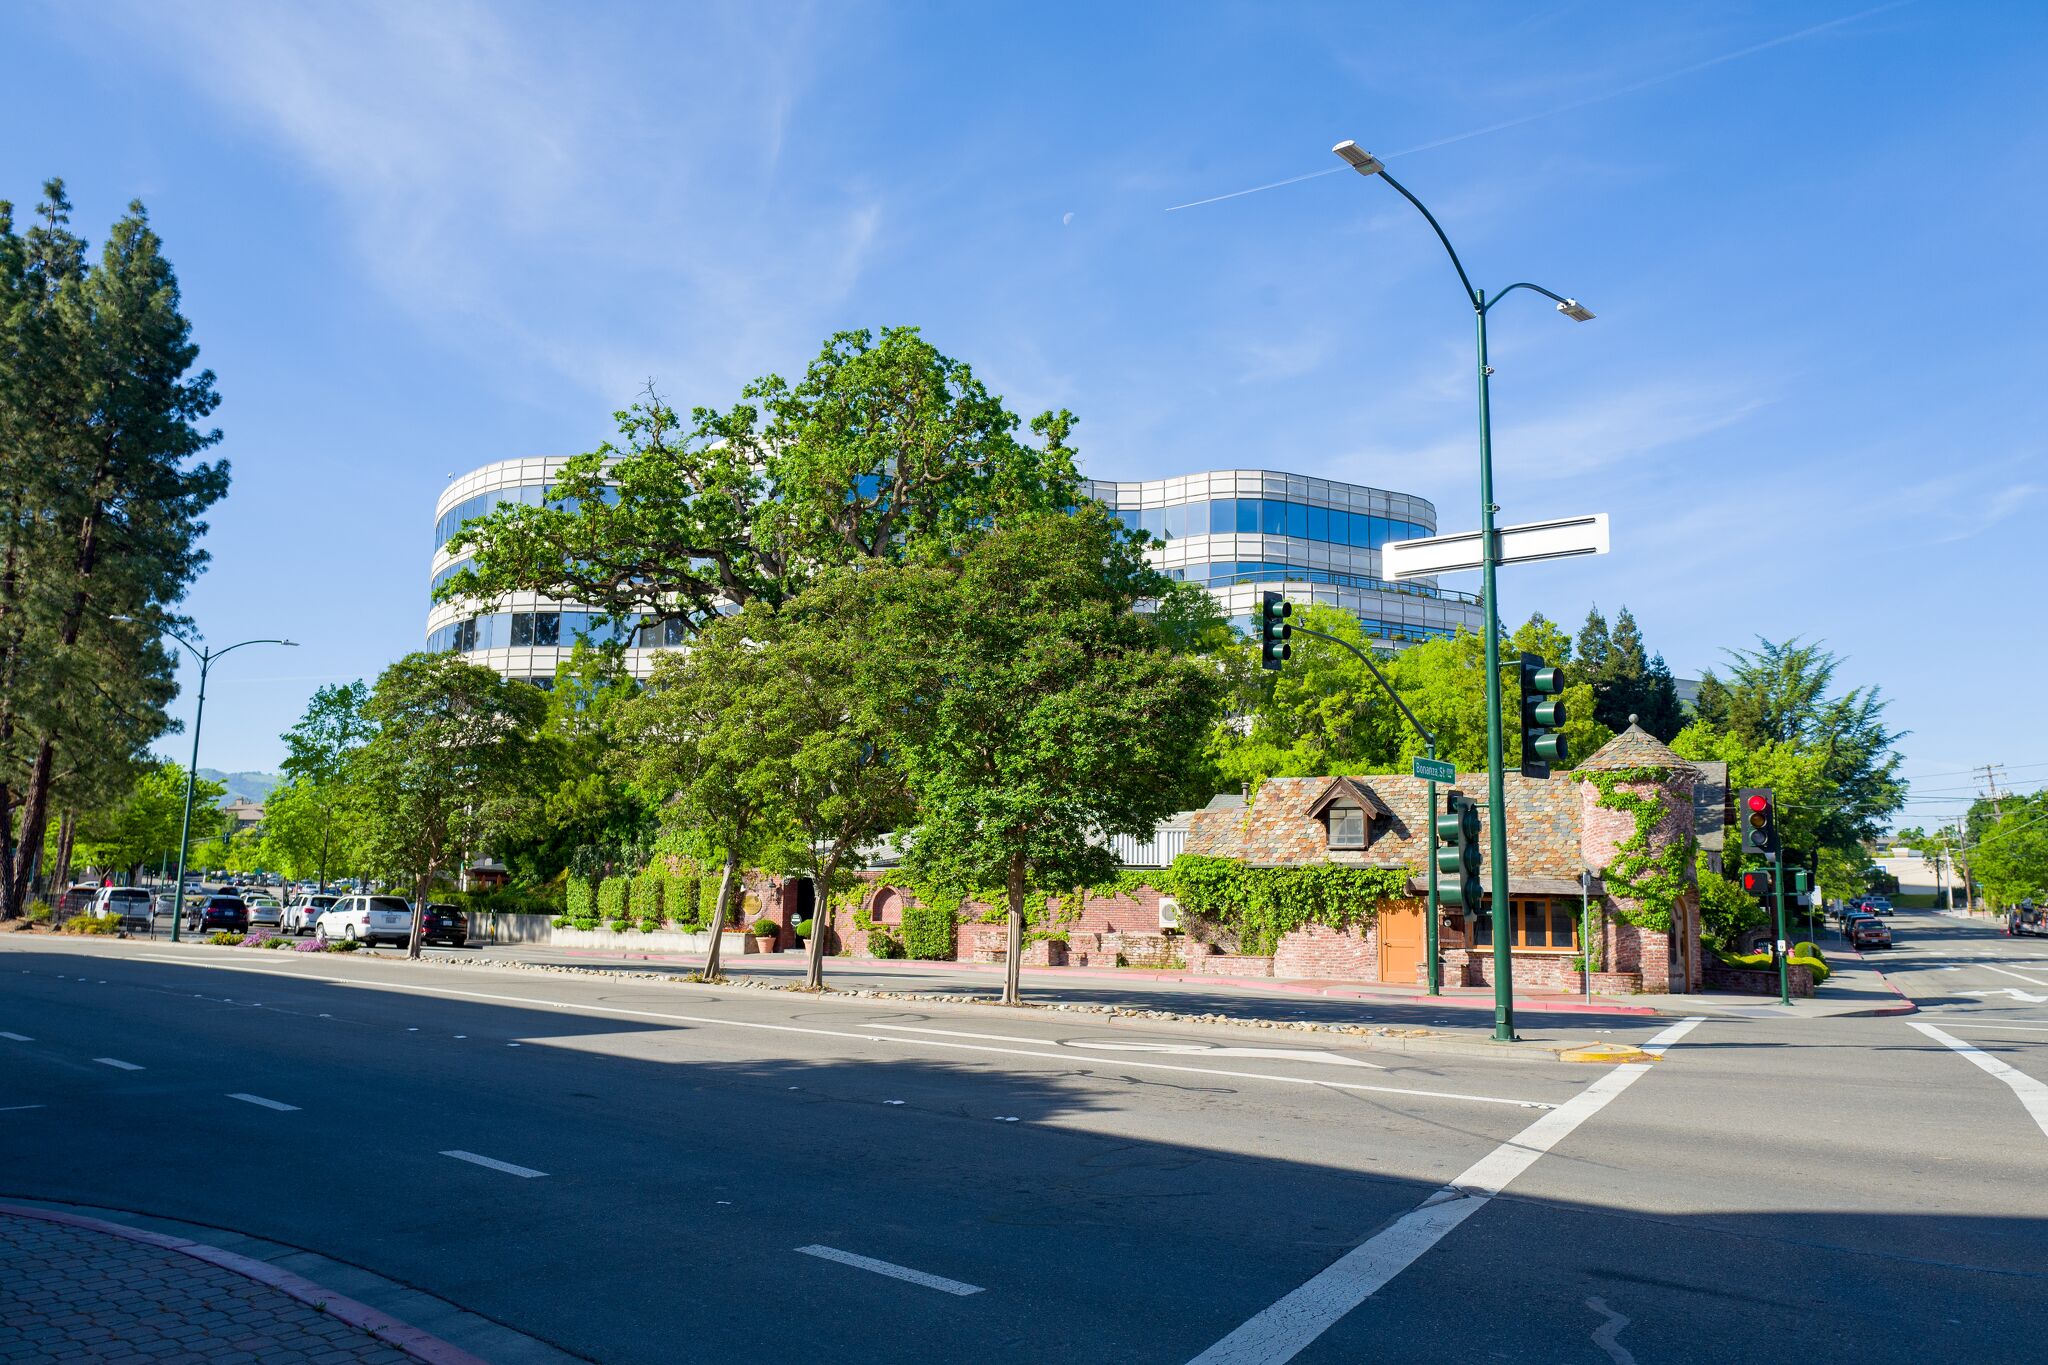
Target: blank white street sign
[{"x": 1565, "y": 538}]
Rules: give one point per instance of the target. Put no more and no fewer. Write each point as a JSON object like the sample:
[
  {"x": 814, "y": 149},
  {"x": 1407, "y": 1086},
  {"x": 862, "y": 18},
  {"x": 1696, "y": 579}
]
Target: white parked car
[
  {"x": 367, "y": 920},
  {"x": 133, "y": 906},
  {"x": 300, "y": 914}
]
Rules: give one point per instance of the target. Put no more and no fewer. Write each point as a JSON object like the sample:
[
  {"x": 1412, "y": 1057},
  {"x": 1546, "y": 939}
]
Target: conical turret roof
[{"x": 1634, "y": 747}]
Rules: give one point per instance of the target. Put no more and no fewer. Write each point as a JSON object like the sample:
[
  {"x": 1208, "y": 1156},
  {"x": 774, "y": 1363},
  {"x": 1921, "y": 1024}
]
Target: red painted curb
[
  {"x": 387, "y": 1329},
  {"x": 1910, "y": 1007}
]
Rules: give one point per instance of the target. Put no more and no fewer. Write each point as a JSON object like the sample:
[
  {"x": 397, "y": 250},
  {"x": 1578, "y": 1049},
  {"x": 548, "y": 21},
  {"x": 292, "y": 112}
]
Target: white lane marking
[
  {"x": 2033, "y": 1094},
  {"x": 892, "y": 1101},
  {"x": 117, "y": 1063},
  {"x": 17, "y": 1108},
  {"x": 892, "y": 1270},
  {"x": 523, "y": 1172},
  {"x": 452, "y": 994},
  {"x": 17, "y": 1037},
  {"x": 1604, "y": 1335},
  {"x": 1948, "y": 1022},
  {"x": 2015, "y": 975},
  {"x": 2024, "y": 997},
  {"x": 1671, "y": 1035},
  {"x": 278, "y": 1105},
  {"x": 1172, "y": 1049},
  {"x": 1284, "y": 1330}
]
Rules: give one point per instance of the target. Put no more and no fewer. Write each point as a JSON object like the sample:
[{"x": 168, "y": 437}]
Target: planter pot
[{"x": 764, "y": 943}]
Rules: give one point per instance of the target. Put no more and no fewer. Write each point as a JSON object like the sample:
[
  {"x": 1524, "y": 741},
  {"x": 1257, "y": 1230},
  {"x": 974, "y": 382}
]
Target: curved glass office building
[
  {"x": 1238, "y": 533},
  {"x": 1243, "y": 532},
  {"x": 524, "y": 635}
]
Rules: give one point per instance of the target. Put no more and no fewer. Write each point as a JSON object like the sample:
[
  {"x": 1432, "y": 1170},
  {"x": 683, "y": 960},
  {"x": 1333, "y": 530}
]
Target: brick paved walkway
[{"x": 73, "y": 1294}]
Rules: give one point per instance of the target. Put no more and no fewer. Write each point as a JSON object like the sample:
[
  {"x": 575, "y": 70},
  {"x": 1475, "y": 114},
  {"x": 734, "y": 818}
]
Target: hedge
[
  {"x": 679, "y": 898},
  {"x": 612, "y": 898},
  {"x": 580, "y": 901},
  {"x": 1263, "y": 903},
  {"x": 646, "y": 895},
  {"x": 929, "y": 931}
]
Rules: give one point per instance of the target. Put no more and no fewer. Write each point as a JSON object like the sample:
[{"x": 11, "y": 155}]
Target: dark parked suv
[
  {"x": 219, "y": 912},
  {"x": 444, "y": 924}
]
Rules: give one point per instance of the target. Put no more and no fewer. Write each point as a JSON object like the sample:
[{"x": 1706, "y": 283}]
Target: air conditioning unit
[{"x": 1169, "y": 913}]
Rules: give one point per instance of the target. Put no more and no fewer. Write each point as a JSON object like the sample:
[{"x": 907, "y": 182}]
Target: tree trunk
[
  {"x": 815, "y": 977},
  {"x": 711, "y": 965},
  {"x": 67, "y": 837},
  {"x": 1013, "y": 956},
  {"x": 419, "y": 911}
]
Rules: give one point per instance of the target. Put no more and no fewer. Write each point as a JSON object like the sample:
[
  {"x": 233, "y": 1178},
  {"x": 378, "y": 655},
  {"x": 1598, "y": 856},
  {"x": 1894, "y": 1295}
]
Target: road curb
[
  {"x": 1907, "y": 1007},
  {"x": 420, "y": 1345}
]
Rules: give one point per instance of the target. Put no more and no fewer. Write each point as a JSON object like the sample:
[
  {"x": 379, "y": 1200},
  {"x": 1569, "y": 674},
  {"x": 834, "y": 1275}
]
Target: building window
[
  {"x": 1540, "y": 923},
  {"x": 1347, "y": 827}
]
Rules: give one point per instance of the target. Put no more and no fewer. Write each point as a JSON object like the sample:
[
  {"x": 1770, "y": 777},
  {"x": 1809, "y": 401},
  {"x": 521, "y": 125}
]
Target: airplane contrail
[{"x": 1602, "y": 98}]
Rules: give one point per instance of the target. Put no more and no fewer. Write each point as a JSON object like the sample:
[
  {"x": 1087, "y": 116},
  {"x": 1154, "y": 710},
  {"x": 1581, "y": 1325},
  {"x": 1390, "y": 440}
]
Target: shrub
[
  {"x": 1820, "y": 968},
  {"x": 580, "y": 899},
  {"x": 882, "y": 943},
  {"x": 560, "y": 921},
  {"x": 929, "y": 931},
  {"x": 647, "y": 887},
  {"x": 307, "y": 945},
  {"x": 279, "y": 942},
  {"x": 39, "y": 912},
  {"x": 343, "y": 945},
  {"x": 1808, "y": 950},
  {"x": 224, "y": 938},
  {"x": 679, "y": 900},
  {"x": 802, "y": 928},
  {"x": 589, "y": 923},
  {"x": 620, "y": 926},
  {"x": 764, "y": 928},
  {"x": 648, "y": 926},
  {"x": 613, "y": 895},
  {"x": 91, "y": 924}
]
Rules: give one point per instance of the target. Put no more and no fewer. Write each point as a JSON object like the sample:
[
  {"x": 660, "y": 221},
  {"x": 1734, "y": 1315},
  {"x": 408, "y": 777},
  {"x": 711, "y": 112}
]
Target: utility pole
[{"x": 1991, "y": 771}]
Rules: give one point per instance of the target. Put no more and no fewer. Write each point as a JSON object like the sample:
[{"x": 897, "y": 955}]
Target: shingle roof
[{"x": 1634, "y": 747}]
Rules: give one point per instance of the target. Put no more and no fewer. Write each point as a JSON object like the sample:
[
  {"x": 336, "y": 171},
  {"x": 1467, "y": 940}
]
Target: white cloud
[{"x": 491, "y": 170}]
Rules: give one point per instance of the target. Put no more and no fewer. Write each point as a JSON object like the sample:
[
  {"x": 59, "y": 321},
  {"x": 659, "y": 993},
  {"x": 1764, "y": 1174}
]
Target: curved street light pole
[
  {"x": 1496, "y": 786},
  {"x": 206, "y": 659}
]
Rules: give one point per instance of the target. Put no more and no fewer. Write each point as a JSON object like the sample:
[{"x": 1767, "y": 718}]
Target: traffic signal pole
[
  {"x": 1496, "y": 776},
  {"x": 1784, "y": 948}
]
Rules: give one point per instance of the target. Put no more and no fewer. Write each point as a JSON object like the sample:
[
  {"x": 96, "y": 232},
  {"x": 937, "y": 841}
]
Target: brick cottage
[{"x": 1557, "y": 831}]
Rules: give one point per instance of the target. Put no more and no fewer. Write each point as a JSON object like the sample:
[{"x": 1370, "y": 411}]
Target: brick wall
[
  {"x": 1758, "y": 980},
  {"x": 1318, "y": 952},
  {"x": 1228, "y": 964}
]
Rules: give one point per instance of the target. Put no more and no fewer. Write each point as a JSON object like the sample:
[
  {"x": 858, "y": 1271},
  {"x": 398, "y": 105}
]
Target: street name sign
[
  {"x": 1435, "y": 770},
  {"x": 1566, "y": 538}
]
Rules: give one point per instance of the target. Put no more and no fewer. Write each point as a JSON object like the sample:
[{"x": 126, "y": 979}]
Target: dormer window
[{"x": 1347, "y": 826}]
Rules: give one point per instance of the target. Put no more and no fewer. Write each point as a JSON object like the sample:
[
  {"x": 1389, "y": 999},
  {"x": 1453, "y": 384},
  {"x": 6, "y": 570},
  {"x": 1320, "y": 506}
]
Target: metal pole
[
  {"x": 1586, "y": 929},
  {"x": 1496, "y": 784},
  {"x": 1429, "y": 849},
  {"x": 191, "y": 776},
  {"x": 1784, "y": 956}
]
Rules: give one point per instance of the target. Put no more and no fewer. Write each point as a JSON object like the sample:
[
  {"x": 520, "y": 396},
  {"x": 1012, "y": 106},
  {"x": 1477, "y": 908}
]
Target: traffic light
[
  {"x": 1457, "y": 853},
  {"x": 1799, "y": 881},
  {"x": 1757, "y": 810},
  {"x": 1274, "y": 630},
  {"x": 1758, "y": 884},
  {"x": 1542, "y": 714}
]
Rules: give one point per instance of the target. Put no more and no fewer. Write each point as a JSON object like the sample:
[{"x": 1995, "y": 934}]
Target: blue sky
[{"x": 415, "y": 238}]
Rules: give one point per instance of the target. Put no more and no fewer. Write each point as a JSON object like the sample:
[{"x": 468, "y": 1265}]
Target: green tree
[
  {"x": 1037, "y": 711},
  {"x": 692, "y": 745},
  {"x": 100, "y": 506},
  {"x": 143, "y": 826},
  {"x": 317, "y": 750},
  {"x": 2008, "y": 847},
  {"x": 883, "y": 446},
  {"x": 447, "y": 766}
]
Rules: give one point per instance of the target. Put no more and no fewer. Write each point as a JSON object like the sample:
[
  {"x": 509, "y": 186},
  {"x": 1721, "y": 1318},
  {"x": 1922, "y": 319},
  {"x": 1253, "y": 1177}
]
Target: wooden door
[{"x": 1400, "y": 944}]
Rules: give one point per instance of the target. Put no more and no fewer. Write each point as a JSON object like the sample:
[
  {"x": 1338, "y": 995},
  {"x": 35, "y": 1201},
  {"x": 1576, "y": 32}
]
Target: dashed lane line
[
  {"x": 1288, "y": 1327},
  {"x": 523, "y": 1172},
  {"x": 17, "y": 1037},
  {"x": 893, "y": 1271},
  {"x": 258, "y": 1100},
  {"x": 117, "y": 1064},
  {"x": 811, "y": 1030},
  {"x": 2033, "y": 1094}
]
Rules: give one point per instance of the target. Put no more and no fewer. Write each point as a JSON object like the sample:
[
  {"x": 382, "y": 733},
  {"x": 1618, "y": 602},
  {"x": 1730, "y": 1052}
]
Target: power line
[{"x": 1966, "y": 772}]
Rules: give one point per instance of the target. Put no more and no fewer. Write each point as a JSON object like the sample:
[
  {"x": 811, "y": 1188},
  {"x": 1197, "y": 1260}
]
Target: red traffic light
[
  {"x": 1759, "y": 803},
  {"x": 1756, "y": 883}
]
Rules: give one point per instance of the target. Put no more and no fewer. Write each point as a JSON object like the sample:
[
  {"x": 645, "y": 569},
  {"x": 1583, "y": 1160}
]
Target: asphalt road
[{"x": 707, "y": 1175}]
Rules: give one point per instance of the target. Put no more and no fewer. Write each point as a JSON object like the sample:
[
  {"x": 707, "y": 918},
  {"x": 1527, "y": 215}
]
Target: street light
[
  {"x": 1365, "y": 163},
  {"x": 206, "y": 658}
]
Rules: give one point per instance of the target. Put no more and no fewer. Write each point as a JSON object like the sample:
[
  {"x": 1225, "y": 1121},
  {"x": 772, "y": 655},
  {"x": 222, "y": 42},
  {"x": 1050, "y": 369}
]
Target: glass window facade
[
  {"x": 529, "y": 494},
  {"x": 530, "y": 630},
  {"x": 1271, "y": 517},
  {"x": 1223, "y": 573}
]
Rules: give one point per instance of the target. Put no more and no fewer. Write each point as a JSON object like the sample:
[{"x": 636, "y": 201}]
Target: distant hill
[{"x": 244, "y": 786}]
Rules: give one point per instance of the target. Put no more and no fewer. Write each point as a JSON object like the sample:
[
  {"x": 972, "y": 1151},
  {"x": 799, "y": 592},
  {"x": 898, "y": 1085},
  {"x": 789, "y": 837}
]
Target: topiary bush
[
  {"x": 930, "y": 931},
  {"x": 882, "y": 943},
  {"x": 613, "y": 896},
  {"x": 679, "y": 900},
  {"x": 649, "y": 884},
  {"x": 580, "y": 899}
]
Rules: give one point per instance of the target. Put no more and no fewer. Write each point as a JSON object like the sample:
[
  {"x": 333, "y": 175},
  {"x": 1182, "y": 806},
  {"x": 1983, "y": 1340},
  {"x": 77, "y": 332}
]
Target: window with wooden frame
[
  {"x": 1347, "y": 827},
  {"x": 1538, "y": 924}
]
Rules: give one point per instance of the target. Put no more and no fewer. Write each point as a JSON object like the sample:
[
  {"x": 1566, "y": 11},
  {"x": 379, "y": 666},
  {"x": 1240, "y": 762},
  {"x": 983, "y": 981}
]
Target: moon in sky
[{"x": 1066, "y": 218}]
